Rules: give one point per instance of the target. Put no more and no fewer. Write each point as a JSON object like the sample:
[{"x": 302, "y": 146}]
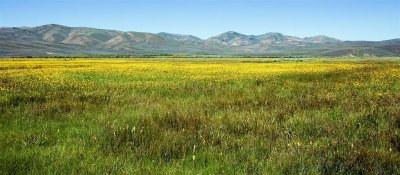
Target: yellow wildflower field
[{"x": 202, "y": 116}]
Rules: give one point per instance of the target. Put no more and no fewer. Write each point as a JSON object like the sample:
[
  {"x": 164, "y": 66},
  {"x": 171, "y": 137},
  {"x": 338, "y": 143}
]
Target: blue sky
[{"x": 343, "y": 19}]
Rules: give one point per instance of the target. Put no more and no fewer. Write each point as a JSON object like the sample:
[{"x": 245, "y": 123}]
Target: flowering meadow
[{"x": 200, "y": 116}]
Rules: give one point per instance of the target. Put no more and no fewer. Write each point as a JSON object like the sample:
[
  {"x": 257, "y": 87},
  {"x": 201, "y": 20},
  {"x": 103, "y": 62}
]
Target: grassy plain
[{"x": 199, "y": 116}]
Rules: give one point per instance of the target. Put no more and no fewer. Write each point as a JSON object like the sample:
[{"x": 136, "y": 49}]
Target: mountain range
[{"x": 53, "y": 39}]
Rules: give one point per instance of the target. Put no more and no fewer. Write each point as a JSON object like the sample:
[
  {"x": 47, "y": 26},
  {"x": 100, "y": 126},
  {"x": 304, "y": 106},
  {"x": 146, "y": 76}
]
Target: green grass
[{"x": 68, "y": 117}]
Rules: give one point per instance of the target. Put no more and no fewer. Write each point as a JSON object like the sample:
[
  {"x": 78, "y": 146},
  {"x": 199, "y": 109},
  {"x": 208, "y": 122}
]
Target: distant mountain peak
[
  {"x": 180, "y": 37},
  {"x": 59, "y": 39},
  {"x": 50, "y": 25},
  {"x": 321, "y": 39},
  {"x": 231, "y": 38},
  {"x": 231, "y": 33},
  {"x": 273, "y": 33}
]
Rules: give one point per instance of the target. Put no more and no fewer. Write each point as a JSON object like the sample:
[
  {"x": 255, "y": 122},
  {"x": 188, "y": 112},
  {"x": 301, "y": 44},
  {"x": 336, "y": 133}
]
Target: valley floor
[{"x": 200, "y": 116}]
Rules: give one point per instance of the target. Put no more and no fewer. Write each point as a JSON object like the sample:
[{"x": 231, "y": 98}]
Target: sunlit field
[{"x": 200, "y": 116}]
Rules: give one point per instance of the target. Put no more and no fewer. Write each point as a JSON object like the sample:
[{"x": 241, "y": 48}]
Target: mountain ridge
[{"x": 59, "y": 39}]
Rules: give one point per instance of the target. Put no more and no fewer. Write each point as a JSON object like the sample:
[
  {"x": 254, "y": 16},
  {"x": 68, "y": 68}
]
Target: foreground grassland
[{"x": 199, "y": 116}]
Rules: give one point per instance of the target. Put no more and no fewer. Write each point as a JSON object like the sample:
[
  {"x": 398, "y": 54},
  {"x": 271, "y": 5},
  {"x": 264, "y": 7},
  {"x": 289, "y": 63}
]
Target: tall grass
[{"x": 199, "y": 117}]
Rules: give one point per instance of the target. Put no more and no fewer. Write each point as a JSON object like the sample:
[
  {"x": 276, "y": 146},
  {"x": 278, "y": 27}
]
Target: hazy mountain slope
[
  {"x": 232, "y": 39},
  {"x": 179, "y": 37},
  {"x": 58, "y": 39}
]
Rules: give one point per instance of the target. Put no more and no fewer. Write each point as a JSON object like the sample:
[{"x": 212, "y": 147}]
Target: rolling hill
[{"x": 53, "y": 39}]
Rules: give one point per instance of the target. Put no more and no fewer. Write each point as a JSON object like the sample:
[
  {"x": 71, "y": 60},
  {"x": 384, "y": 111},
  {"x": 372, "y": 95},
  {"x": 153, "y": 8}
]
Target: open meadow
[{"x": 200, "y": 116}]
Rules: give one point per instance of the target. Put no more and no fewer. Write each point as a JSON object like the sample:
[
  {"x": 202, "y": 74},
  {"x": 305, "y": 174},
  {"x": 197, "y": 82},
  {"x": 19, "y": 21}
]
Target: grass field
[{"x": 198, "y": 116}]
